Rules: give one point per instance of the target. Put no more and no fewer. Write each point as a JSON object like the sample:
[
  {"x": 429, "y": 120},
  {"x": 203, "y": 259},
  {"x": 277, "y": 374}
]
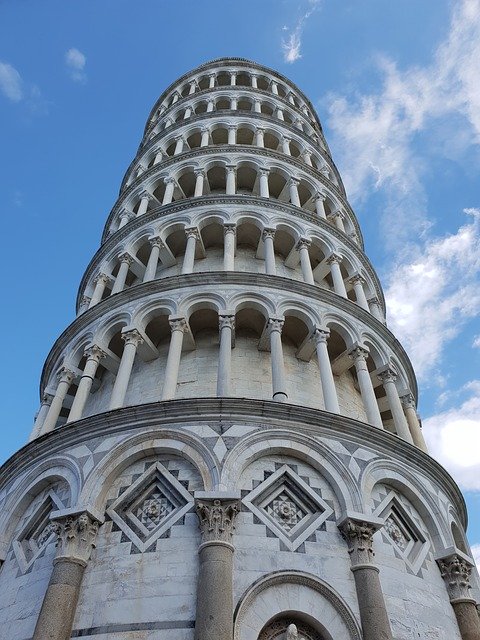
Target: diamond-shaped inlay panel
[
  {"x": 150, "y": 506},
  {"x": 288, "y": 506}
]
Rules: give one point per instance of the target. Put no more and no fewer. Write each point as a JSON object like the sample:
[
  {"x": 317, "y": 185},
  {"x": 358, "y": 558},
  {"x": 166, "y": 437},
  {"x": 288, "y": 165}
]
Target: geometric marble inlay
[
  {"x": 288, "y": 507},
  {"x": 150, "y": 506}
]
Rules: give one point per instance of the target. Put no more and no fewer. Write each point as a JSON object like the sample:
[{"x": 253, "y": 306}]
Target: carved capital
[
  {"x": 66, "y": 375},
  {"x": 321, "y": 335},
  {"x": 229, "y": 227},
  {"x": 156, "y": 241},
  {"x": 387, "y": 375},
  {"x": 276, "y": 324},
  {"x": 76, "y": 535},
  {"x": 127, "y": 215},
  {"x": 359, "y": 537},
  {"x": 199, "y": 172},
  {"x": 102, "y": 277},
  {"x": 268, "y": 233},
  {"x": 132, "y": 336},
  {"x": 148, "y": 196},
  {"x": 456, "y": 572},
  {"x": 178, "y": 324},
  {"x": 293, "y": 182},
  {"x": 192, "y": 232},
  {"x": 226, "y": 321},
  {"x": 125, "y": 257},
  {"x": 263, "y": 171},
  {"x": 303, "y": 243},
  {"x": 357, "y": 279},
  {"x": 93, "y": 352},
  {"x": 85, "y": 301},
  {"x": 231, "y": 168},
  {"x": 408, "y": 401},
  {"x": 359, "y": 353},
  {"x": 334, "y": 257},
  {"x": 374, "y": 301},
  {"x": 169, "y": 180},
  {"x": 217, "y": 518},
  {"x": 320, "y": 196},
  {"x": 47, "y": 399}
]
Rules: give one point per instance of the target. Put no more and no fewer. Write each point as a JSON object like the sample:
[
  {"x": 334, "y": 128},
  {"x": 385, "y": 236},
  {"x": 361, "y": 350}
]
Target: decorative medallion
[{"x": 288, "y": 507}]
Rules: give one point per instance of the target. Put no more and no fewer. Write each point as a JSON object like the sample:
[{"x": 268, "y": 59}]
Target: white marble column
[
  {"x": 199, "y": 181},
  {"x": 357, "y": 281},
  {"x": 211, "y": 80},
  {"x": 286, "y": 145},
  {"x": 233, "y": 78},
  {"x": 264, "y": 190},
  {"x": 192, "y": 88},
  {"x": 101, "y": 282},
  {"x": 145, "y": 198},
  {"x": 179, "y": 142},
  {"x": 293, "y": 188},
  {"x": 125, "y": 218},
  {"x": 132, "y": 339},
  {"x": 84, "y": 304},
  {"x": 125, "y": 262},
  {"x": 280, "y": 115},
  {"x": 291, "y": 98},
  {"x": 320, "y": 205},
  {"x": 359, "y": 356},
  {"x": 41, "y": 416},
  {"x": 307, "y": 158},
  {"x": 456, "y": 571},
  {"x": 257, "y": 106},
  {"x": 233, "y": 103},
  {"x": 330, "y": 398},
  {"x": 254, "y": 81},
  {"x": 205, "y": 137},
  {"x": 178, "y": 327},
  {"x": 268, "y": 238},
  {"x": 337, "y": 218},
  {"x": 226, "y": 327},
  {"x": 338, "y": 284},
  {"x": 260, "y": 137},
  {"x": 231, "y": 180},
  {"x": 169, "y": 190},
  {"x": 152, "y": 264},
  {"x": 408, "y": 402},
  {"x": 232, "y": 134},
  {"x": 210, "y": 106},
  {"x": 188, "y": 113},
  {"x": 279, "y": 386},
  {"x": 176, "y": 98},
  {"x": 65, "y": 379},
  {"x": 376, "y": 309},
  {"x": 189, "y": 258},
  {"x": 387, "y": 378},
  {"x": 229, "y": 232},
  {"x": 158, "y": 156},
  {"x": 274, "y": 88},
  {"x": 302, "y": 247},
  {"x": 93, "y": 354}
]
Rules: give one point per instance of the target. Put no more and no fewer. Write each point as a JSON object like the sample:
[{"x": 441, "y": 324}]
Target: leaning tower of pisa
[{"x": 227, "y": 445}]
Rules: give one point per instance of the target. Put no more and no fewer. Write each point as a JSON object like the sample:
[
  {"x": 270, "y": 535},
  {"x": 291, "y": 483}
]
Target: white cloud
[
  {"x": 75, "y": 61},
  {"x": 430, "y": 297},
  {"x": 10, "y": 82},
  {"x": 453, "y": 438},
  {"x": 476, "y": 342},
  {"x": 292, "y": 44}
]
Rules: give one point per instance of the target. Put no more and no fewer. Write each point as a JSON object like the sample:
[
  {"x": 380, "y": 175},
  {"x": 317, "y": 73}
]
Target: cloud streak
[
  {"x": 292, "y": 44},
  {"x": 11, "y": 84},
  {"x": 76, "y": 61}
]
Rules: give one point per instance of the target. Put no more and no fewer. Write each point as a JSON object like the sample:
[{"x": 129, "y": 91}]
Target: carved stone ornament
[
  {"x": 76, "y": 537},
  {"x": 132, "y": 337},
  {"x": 359, "y": 537},
  {"x": 94, "y": 352},
  {"x": 217, "y": 519},
  {"x": 226, "y": 321},
  {"x": 276, "y": 324},
  {"x": 456, "y": 574}
]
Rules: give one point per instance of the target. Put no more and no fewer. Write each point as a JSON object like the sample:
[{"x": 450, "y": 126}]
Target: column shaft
[
  {"x": 229, "y": 247},
  {"x": 199, "y": 184},
  {"x": 264, "y": 190},
  {"x": 189, "y": 257},
  {"x": 399, "y": 420},
  {"x": 293, "y": 187},
  {"x": 120, "y": 280},
  {"x": 152, "y": 263},
  {"x": 225, "y": 356},
  {"x": 320, "y": 206},
  {"x": 338, "y": 283},
  {"x": 93, "y": 359},
  {"x": 329, "y": 390},
  {"x": 279, "y": 386},
  {"x": 173, "y": 360},
  {"x": 268, "y": 236},
  {"x": 360, "y": 293},
  {"x": 413, "y": 422},
  {"x": 359, "y": 356},
  {"x": 305, "y": 261},
  {"x": 230, "y": 186},
  {"x": 66, "y": 378},
  {"x": 100, "y": 283},
  {"x": 169, "y": 189},
  {"x": 132, "y": 339}
]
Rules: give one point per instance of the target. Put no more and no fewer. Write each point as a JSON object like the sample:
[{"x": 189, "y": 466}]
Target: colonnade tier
[
  {"x": 287, "y": 181},
  {"x": 240, "y": 128}
]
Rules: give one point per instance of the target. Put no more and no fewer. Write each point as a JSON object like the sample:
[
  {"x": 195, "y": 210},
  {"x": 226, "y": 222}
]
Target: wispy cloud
[
  {"x": 476, "y": 342},
  {"x": 75, "y": 61},
  {"x": 11, "y": 84},
  {"x": 291, "y": 45}
]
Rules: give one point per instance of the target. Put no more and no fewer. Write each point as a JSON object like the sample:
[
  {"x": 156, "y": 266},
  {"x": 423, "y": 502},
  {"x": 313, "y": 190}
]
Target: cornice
[
  {"x": 225, "y": 278},
  {"x": 296, "y": 418},
  {"x": 249, "y": 150}
]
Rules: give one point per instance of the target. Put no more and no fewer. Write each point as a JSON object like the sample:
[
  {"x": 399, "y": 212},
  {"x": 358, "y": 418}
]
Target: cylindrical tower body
[{"x": 228, "y": 445}]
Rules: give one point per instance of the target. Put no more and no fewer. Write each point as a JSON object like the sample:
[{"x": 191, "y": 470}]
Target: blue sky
[{"x": 396, "y": 86}]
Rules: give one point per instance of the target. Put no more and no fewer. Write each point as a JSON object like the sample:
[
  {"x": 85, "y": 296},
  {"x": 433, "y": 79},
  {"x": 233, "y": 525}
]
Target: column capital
[
  {"x": 129, "y": 215},
  {"x": 156, "y": 241},
  {"x": 293, "y": 182},
  {"x": 102, "y": 277},
  {"x": 334, "y": 257},
  {"x": 263, "y": 171},
  {"x": 216, "y": 518},
  {"x": 205, "y": 129},
  {"x": 85, "y": 301},
  {"x": 199, "y": 172},
  {"x": 387, "y": 374},
  {"x": 321, "y": 335},
  {"x": 229, "y": 227},
  {"x": 64, "y": 374},
  {"x": 358, "y": 533},
  {"x": 319, "y": 195},
  {"x": 456, "y": 570},
  {"x": 179, "y": 136},
  {"x": 374, "y": 300},
  {"x": 259, "y": 129},
  {"x": 147, "y": 195},
  {"x": 276, "y": 324},
  {"x": 336, "y": 214},
  {"x": 226, "y": 321},
  {"x": 192, "y": 232},
  {"x": 93, "y": 352},
  {"x": 132, "y": 336},
  {"x": 169, "y": 180},
  {"x": 286, "y": 138},
  {"x": 125, "y": 257},
  {"x": 76, "y": 536},
  {"x": 324, "y": 170},
  {"x": 359, "y": 352},
  {"x": 357, "y": 279},
  {"x": 232, "y": 127},
  {"x": 408, "y": 401},
  {"x": 303, "y": 243},
  {"x": 177, "y": 323},
  {"x": 268, "y": 233},
  {"x": 47, "y": 398},
  {"x": 231, "y": 168}
]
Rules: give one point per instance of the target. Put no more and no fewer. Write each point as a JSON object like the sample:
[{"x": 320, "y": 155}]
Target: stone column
[
  {"x": 280, "y": 115},
  {"x": 226, "y": 326},
  {"x": 274, "y": 88},
  {"x": 357, "y": 281},
  {"x": 41, "y": 416},
  {"x": 359, "y": 356},
  {"x": 199, "y": 180},
  {"x": 373, "y": 612},
  {"x": 188, "y": 113},
  {"x": 257, "y": 106},
  {"x": 192, "y": 88},
  {"x": 216, "y": 516},
  {"x": 320, "y": 205},
  {"x": 413, "y": 422},
  {"x": 376, "y": 309},
  {"x": 259, "y": 137},
  {"x": 65, "y": 379},
  {"x": 210, "y": 106},
  {"x": 329, "y": 390},
  {"x": 158, "y": 156},
  {"x": 387, "y": 378},
  {"x": 176, "y": 98},
  {"x": 169, "y": 189},
  {"x": 101, "y": 282},
  {"x": 233, "y": 103},
  {"x": 189, "y": 258},
  {"x": 337, "y": 218},
  {"x": 178, "y": 145},
  {"x": 205, "y": 137},
  {"x": 232, "y": 134},
  {"x": 178, "y": 327},
  {"x": 229, "y": 231},
  {"x": 76, "y": 537},
  {"x": 268, "y": 236},
  {"x": 132, "y": 339},
  {"x": 125, "y": 262},
  {"x": 291, "y": 98},
  {"x": 338, "y": 284},
  {"x": 254, "y": 81},
  {"x": 211, "y": 78},
  {"x": 286, "y": 145},
  {"x": 84, "y": 304},
  {"x": 233, "y": 78},
  {"x": 230, "y": 185},
  {"x": 307, "y": 158},
  {"x": 302, "y": 248},
  {"x": 152, "y": 263},
  {"x": 94, "y": 354},
  {"x": 293, "y": 188},
  {"x": 279, "y": 386},
  {"x": 456, "y": 571},
  {"x": 145, "y": 198},
  {"x": 264, "y": 190},
  {"x": 125, "y": 218}
]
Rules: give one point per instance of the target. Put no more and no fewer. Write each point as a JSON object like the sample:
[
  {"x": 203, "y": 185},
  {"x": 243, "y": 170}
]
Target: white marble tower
[{"x": 228, "y": 445}]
